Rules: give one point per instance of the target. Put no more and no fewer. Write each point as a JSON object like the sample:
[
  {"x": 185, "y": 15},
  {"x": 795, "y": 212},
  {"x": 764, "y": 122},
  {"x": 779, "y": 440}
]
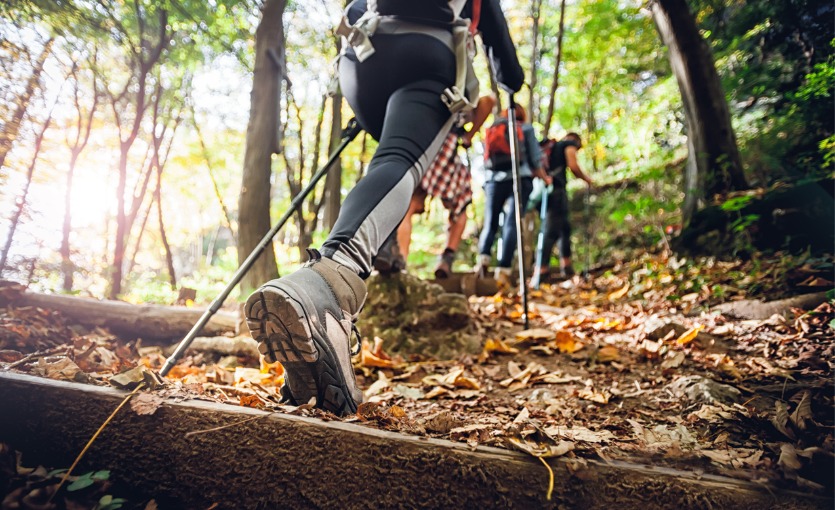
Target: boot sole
[{"x": 285, "y": 333}]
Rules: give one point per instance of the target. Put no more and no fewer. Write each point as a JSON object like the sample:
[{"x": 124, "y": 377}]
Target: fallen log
[
  {"x": 761, "y": 310},
  {"x": 285, "y": 461},
  {"x": 154, "y": 323}
]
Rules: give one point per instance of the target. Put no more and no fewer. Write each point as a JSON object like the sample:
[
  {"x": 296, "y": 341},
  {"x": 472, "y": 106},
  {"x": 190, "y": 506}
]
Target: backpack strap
[{"x": 462, "y": 43}]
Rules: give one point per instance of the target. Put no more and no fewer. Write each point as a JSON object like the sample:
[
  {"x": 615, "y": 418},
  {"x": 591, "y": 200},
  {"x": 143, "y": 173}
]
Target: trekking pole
[
  {"x": 517, "y": 198},
  {"x": 540, "y": 240},
  {"x": 350, "y": 132},
  {"x": 587, "y": 214}
]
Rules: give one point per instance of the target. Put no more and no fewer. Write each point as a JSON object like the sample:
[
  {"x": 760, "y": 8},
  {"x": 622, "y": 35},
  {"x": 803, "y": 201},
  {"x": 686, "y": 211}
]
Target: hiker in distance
[
  {"x": 449, "y": 180},
  {"x": 562, "y": 154},
  {"x": 402, "y": 77},
  {"x": 498, "y": 190}
]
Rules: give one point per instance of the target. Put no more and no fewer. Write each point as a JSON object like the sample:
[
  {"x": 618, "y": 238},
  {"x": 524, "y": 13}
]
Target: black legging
[
  {"x": 557, "y": 226},
  {"x": 396, "y": 97}
]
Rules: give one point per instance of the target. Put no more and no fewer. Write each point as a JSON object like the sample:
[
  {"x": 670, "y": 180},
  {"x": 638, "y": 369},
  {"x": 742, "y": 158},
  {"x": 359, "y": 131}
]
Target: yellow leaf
[
  {"x": 499, "y": 346},
  {"x": 566, "y": 343},
  {"x": 375, "y": 356},
  {"x": 689, "y": 335},
  {"x": 608, "y": 353},
  {"x": 619, "y": 293}
]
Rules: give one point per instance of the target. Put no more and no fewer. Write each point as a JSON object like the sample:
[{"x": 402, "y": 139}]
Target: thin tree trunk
[
  {"x": 24, "y": 196},
  {"x": 207, "y": 157},
  {"x": 261, "y": 143},
  {"x": 169, "y": 258},
  {"x": 83, "y": 129},
  {"x": 536, "y": 14},
  {"x": 363, "y": 156},
  {"x": 333, "y": 181},
  {"x": 714, "y": 164},
  {"x": 11, "y": 128},
  {"x": 555, "y": 82},
  {"x": 139, "y": 236}
]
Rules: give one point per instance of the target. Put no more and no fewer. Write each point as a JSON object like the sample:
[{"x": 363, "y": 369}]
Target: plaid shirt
[{"x": 449, "y": 179}]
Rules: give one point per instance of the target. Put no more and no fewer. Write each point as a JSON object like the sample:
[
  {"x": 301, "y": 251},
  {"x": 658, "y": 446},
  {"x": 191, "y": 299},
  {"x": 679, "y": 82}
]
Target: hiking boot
[
  {"x": 305, "y": 321},
  {"x": 567, "y": 272},
  {"x": 482, "y": 267},
  {"x": 389, "y": 260},
  {"x": 444, "y": 268}
]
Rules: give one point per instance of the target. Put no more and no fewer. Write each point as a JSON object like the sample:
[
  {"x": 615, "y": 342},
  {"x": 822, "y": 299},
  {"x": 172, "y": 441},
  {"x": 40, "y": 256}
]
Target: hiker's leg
[
  {"x": 564, "y": 232},
  {"x": 495, "y": 194},
  {"x": 509, "y": 230},
  {"x": 456, "y": 231},
  {"x": 554, "y": 226},
  {"x": 305, "y": 319},
  {"x": 404, "y": 231}
]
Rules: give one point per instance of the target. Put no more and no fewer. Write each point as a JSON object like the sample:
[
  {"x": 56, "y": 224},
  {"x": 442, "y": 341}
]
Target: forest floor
[{"x": 638, "y": 362}]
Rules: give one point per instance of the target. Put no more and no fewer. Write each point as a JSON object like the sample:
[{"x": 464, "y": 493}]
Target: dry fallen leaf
[
  {"x": 689, "y": 335},
  {"x": 601, "y": 397},
  {"x": 498, "y": 346},
  {"x": 534, "y": 335},
  {"x": 146, "y": 403},
  {"x": 374, "y": 356},
  {"x": 566, "y": 343},
  {"x": 607, "y": 354},
  {"x": 614, "y": 296}
]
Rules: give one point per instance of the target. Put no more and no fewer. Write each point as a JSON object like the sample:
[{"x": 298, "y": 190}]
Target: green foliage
[{"x": 88, "y": 479}]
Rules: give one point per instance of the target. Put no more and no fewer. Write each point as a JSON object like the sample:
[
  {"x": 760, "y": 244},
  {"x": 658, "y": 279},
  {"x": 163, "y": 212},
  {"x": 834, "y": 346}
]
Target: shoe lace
[{"x": 355, "y": 333}]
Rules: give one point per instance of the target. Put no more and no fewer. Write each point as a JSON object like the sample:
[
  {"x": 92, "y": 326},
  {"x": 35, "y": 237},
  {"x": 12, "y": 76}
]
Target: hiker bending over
[
  {"x": 397, "y": 74},
  {"x": 561, "y": 155},
  {"x": 498, "y": 189},
  {"x": 448, "y": 179}
]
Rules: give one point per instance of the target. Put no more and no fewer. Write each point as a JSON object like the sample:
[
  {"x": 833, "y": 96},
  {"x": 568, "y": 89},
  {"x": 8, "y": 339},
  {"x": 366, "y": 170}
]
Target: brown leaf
[
  {"x": 803, "y": 412},
  {"x": 64, "y": 370},
  {"x": 253, "y": 401},
  {"x": 608, "y": 353},
  {"x": 589, "y": 393},
  {"x": 781, "y": 418},
  {"x": 146, "y": 403},
  {"x": 534, "y": 335}
]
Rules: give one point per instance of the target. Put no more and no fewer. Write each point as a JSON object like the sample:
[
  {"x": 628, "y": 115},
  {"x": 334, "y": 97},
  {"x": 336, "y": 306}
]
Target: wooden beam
[{"x": 284, "y": 461}]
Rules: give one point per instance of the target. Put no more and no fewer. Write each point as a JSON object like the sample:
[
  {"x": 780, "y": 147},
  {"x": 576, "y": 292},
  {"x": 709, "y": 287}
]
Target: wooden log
[
  {"x": 149, "y": 322},
  {"x": 284, "y": 461},
  {"x": 755, "y": 309}
]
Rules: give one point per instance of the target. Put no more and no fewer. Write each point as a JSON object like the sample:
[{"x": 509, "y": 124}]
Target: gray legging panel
[{"x": 396, "y": 97}]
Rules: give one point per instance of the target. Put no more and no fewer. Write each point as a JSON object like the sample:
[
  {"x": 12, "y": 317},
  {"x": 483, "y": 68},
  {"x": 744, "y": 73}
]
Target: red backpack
[{"x": 497, "y": 145}]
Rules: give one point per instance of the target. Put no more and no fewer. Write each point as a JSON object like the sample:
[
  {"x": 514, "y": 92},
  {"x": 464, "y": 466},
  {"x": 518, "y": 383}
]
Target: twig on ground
[
  {"x": 214, "y": 429},
  {"x": 96, "y": 435}
]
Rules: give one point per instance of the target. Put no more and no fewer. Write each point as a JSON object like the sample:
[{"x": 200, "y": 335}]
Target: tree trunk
[
  {"x": 11, "y": 128},
  {"x": 261, "y": 143},
  {"x": 21, "y": 203},
  {"x": 333, "y": 180},
  {"x": 555, "y": 82},
  {"x": 714, "y": 165},
  {"x": 226, "y": 217},
  {"x": 83, "y": 128},
  {"x": 169, "y": 258},
  {"x": 536, "y": 14}
]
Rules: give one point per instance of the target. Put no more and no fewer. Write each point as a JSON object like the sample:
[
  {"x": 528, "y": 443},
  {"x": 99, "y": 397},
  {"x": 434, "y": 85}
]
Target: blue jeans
[{"x": 496, "y": 195}]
